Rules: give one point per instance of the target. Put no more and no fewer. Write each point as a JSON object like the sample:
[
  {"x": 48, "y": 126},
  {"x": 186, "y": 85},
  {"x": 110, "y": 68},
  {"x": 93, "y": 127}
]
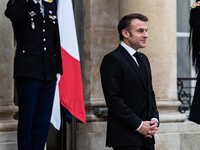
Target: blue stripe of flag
[{"x": 54, "y": 2}]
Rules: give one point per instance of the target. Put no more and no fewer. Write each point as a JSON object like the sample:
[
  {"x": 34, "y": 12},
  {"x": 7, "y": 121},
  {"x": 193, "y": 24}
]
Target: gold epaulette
[{"x": 195, "y": 5}]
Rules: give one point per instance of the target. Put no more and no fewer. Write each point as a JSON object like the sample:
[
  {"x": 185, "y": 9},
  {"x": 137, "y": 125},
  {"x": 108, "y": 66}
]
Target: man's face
[{"x": 137, "y": 35}]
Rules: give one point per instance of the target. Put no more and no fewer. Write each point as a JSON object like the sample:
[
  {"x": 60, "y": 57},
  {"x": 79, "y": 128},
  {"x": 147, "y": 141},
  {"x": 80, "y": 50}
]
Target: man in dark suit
[
  {"x": 36, "y": 63},
  {"x": 127, "y": 86}
]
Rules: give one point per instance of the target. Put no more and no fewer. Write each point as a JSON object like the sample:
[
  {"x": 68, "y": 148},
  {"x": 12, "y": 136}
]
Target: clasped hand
[{"x": 148, "y": 128}]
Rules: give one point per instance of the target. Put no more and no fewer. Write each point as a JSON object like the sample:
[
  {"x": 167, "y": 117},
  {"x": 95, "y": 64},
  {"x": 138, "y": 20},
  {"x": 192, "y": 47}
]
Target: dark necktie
[
  {"x": 141, "y": 65},
  {"x": 38, "y": 6}
]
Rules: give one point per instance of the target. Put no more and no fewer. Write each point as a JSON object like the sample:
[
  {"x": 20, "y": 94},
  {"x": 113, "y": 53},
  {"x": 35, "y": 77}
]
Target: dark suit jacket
[
  {"x": 38, "y": 53},
  {"x": 129, "y": 99}
]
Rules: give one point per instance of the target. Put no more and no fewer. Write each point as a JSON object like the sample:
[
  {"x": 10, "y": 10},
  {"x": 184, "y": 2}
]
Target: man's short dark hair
[{"x": 124, "y": 23}]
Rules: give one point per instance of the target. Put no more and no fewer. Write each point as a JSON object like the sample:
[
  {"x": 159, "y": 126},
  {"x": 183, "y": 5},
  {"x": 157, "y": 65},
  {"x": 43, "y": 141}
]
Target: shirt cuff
[
  {"x": 139, "y": 126},
  {"x": 154, "y": 119}
]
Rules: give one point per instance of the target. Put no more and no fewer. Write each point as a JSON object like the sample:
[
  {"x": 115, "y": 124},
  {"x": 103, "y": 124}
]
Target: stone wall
[{"x": 100, "y": 36}]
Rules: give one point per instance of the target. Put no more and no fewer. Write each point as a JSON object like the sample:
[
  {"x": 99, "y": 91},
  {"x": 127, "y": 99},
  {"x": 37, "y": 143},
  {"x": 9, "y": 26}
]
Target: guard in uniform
[
  {"x": 36, "y": 63},
  {"x": 194, "y": 47}
]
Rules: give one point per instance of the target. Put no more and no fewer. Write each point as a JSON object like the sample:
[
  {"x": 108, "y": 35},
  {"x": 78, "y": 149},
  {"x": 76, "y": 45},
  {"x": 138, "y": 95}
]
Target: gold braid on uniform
[{"x": 195, "y": 5}]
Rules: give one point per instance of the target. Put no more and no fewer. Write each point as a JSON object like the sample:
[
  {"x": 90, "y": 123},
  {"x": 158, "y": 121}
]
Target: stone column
[
  {"x": 8, "y": 125},
  {"x": 100, "y": 37}
]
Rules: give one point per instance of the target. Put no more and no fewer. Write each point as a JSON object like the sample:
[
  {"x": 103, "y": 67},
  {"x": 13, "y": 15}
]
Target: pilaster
[
  {"x": 100, "y": 37},
  {"x": 8, "y": 126}
]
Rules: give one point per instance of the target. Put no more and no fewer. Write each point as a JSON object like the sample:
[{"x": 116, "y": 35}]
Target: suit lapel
[
  {"x": 133, "y": 64},
  {"x": 147, "y": 70}
]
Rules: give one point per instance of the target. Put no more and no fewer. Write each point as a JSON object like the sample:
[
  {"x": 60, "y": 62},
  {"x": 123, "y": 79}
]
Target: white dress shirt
[{"x": 130, "y": 50}]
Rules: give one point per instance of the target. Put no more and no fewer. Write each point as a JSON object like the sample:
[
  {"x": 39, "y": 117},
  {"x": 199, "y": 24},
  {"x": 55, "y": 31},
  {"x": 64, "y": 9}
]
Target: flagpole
[
  {"x": 73, "y": 132},
  {"x": 63, "y": 129}
]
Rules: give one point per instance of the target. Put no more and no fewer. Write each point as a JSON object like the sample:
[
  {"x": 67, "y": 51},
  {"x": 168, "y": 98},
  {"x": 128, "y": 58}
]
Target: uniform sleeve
[
  {"x": 57, "y": 50},
  {"x": 57, "y": 47},
  {"x": 14, "y": 9}
]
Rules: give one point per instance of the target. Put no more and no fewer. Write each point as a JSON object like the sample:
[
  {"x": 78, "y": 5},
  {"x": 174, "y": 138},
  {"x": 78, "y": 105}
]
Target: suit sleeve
[
  {"x": 154, "y": 111},
  {"x": 112, "y": 77},
  {"x": 14, "y": 9}
]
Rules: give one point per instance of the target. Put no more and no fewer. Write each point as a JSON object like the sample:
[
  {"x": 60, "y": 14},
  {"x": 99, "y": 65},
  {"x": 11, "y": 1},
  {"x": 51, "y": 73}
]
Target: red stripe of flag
[{"x": 70, "y": 86}]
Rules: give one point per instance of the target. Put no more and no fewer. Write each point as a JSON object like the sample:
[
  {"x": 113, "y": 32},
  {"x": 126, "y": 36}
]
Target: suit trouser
[{"x": 35, "y": 106}]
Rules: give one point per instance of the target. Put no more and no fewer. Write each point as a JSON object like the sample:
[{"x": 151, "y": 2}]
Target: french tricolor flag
[{"x": 69, "y": 90}]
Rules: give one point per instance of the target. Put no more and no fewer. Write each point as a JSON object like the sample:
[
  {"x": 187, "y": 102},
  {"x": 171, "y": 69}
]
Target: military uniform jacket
[
  {"x": 194, "y": 111},
  {"x": 38, "y": 53}
]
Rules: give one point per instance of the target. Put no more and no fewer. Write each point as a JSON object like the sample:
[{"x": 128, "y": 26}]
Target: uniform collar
[{"x": 38, "y": 2}]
